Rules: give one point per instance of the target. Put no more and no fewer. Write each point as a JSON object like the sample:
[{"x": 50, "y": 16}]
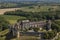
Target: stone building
[
  {"x": 25, "y": 24},
  {"x": 28, "y": 24}
]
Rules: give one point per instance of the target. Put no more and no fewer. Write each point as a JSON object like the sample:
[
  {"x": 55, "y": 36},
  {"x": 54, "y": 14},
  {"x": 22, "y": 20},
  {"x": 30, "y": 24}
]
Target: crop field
[
  {"x": 31, "y": 9},
  {"x": 2, "y": 11},
  {"x": 39, "y": 8}
]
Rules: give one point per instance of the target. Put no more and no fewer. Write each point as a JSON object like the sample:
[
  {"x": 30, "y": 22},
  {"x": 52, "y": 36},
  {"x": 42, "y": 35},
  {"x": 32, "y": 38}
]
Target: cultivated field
[
  {"x": 31, "y": 9},
  {"x": 2, "y": 11}
]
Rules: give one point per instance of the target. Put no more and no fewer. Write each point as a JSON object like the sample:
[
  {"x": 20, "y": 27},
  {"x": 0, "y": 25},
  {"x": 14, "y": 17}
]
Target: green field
[
  {"x": 57, "y": 22},
  {"x": 39, "y": 8},
  {"x": 3, "y": 33},
  {"x": 7, "y": 5},
  {"x": 12, "y": 19}
]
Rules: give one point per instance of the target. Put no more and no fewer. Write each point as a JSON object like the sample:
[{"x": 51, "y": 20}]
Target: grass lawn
[
  {"x": 57, "y": 22},
  {"x": 12, "y": 19},
  {"x": 3, "y": 33},
  {"x": 29, "y": 38}
]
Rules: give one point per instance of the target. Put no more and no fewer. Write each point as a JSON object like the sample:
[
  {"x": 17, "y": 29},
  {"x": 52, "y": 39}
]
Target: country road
[{"x": 2, "y": 11}]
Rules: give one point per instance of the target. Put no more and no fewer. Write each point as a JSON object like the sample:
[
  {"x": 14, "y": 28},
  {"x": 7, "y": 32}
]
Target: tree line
[{"x": 36, "y": 16}]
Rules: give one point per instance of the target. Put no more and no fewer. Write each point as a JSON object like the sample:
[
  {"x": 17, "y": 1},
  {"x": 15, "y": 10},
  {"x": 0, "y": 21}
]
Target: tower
[{"x": 48, "y": 25}]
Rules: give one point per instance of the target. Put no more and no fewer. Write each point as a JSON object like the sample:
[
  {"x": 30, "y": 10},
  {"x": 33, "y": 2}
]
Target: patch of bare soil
[{"x": 2, "y": 11}]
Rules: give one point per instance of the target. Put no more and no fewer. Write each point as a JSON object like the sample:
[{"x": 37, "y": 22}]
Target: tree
[
  {"x": 3, "y": 24},
  {"x": 55, "y": 27},
  {"x": 36, "y": 29},
  {"x": 49, "y": 35}
]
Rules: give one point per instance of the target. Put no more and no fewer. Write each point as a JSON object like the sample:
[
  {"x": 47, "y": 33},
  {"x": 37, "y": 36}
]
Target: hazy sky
[{"x": 33, "y": 0}]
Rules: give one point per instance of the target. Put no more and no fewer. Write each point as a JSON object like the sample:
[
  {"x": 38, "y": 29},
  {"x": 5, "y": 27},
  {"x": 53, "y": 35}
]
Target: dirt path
[{"x": 2, "y": 11}]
